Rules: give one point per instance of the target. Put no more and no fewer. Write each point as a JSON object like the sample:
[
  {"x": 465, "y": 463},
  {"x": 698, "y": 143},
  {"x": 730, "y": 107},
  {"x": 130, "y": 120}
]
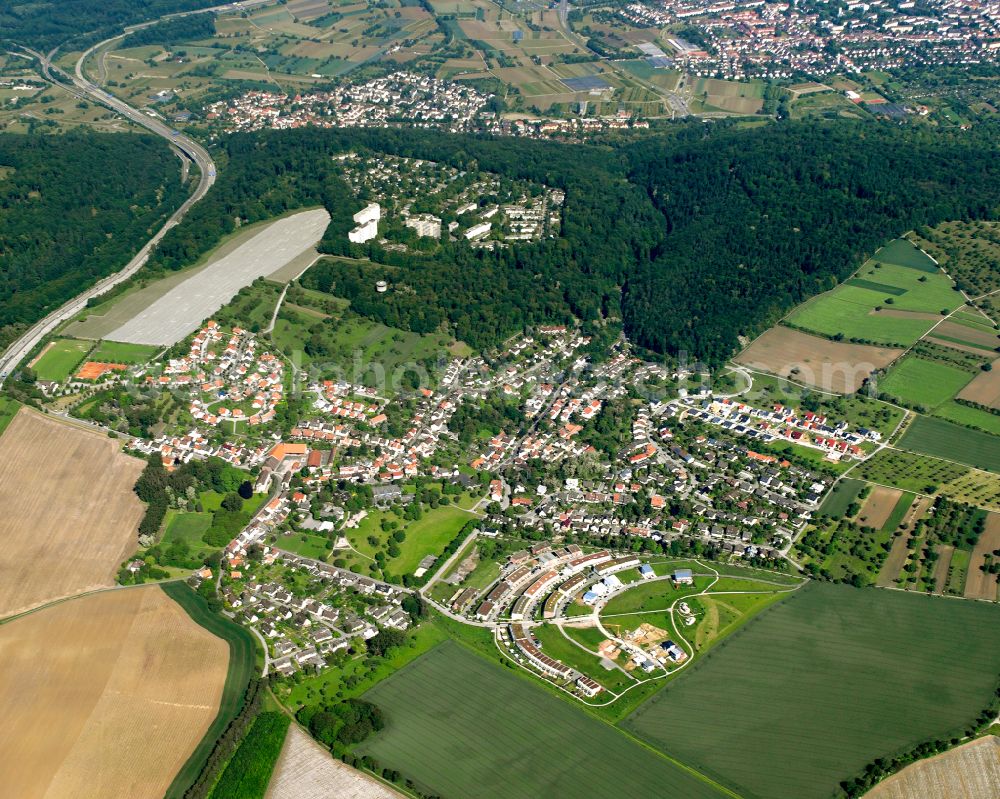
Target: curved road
[{"x": 81, "y": 87}]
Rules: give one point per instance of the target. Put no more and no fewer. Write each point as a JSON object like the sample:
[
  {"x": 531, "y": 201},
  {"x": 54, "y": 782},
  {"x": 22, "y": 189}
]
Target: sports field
[
  {"x": 920, "y": 382},
  {"x": 69, "y": 514},
  {"x": 953, "y": 442},
  {"x": 460, "y": 725},
  {"x": 60, "y": 358},
  {"x": 122, "y": 686},
  {"x": 819, "y": 685},
  {"x": 118, "y": 352}
]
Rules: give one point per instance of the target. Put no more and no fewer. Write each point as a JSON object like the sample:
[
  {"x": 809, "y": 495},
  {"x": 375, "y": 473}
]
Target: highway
[{"x": 81, "y": 87}]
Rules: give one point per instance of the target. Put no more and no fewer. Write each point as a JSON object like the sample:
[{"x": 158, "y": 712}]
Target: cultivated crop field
[
  {"x": 123, "y": 684},
  {"x": 979, "y": 584},
  {"x": 810, "y": 691},
  {"x": 919, "y": 382},
  {"x": 306, "y": 770},
  {"x": 971, "y": 771},
  {"x": 461, "y": 725},
  {"x": 829, "y": 365},
  {"x": 946, "y": 440},
  {"x": 895, "y": 298},
  {"x": 70, "y": 515},
  {"x": 984, "y": 388}
]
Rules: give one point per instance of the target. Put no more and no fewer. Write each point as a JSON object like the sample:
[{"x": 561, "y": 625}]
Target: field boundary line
[{"x": 92, "y": 592}]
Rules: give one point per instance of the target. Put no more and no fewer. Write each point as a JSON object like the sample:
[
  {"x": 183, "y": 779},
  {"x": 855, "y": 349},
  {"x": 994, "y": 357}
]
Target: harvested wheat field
[
  {"x": 105, "y": 696},
  {"x": 307, "y": 771},
  {"x": 879, "y": 506},
  {"x": 971, "y": 771},
  {"x": 984, "y": 388},
  {"x": 68, "y": 515},
  {"x": 979, "y": 584},
  {"x": 829, "y": 365}
]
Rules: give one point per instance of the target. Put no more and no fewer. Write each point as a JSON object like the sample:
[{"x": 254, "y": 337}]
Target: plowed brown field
[
  {"x": 105, "y": 696},
  {"x": 68, "y": 515}
]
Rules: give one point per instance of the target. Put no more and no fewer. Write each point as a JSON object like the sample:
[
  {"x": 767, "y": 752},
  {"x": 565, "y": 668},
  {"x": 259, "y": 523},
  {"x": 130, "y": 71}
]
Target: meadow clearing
[
  {"x": 502, "y": 737},
  {"x": 70, "y": 515},
  {"x": 128, "y": 666},
  {"x": 839, "y": 500},
  {"x": 970, "y": 771},
  {"x": 829, "y": 365},
  {"x": 808, "y": 692}
]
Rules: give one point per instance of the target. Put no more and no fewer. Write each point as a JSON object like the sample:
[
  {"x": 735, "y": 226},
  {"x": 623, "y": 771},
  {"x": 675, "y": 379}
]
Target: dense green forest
[
  {"x": 759, "y": 220},
  {"x": 74, "y": 208},
  {"x": 44, "y": 24},
  {"x": 688, "y": 239},
  {"x": 174, "y": 31}
]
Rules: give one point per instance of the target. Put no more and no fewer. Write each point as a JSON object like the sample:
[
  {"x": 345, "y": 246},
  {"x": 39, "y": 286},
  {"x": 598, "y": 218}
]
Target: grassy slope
[
  {"x": 807, "y": 693},
  {"x": 242, "y": 666}
]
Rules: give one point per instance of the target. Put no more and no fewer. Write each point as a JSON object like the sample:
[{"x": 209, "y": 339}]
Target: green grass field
[
  {"x": 428, "y": 536},
  {"x": 904, "y": 253},
  {"x": 248, "y": 773},
  {"x": 916, "y": 381},
  {"x": 953, "y": 442},
  {"x": 963, "y": 414},
  {"x": 8, "y": 410},
  {"x": 656, "y": 595},
  {"x": 306, "y": 544},
  {"x": 557, "y": 646},
  {"x": 850, "y": 309},
  {"x": 61, "y": 359},
  {"x": 120, "y": 352},
  {"x": 908, "y": 471},
  {"x": 810, "y": 691},
  {"x": 242, "y": 666},
  {"x": 460, "y": 725},
  {"x": 843, "y": 494}
]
